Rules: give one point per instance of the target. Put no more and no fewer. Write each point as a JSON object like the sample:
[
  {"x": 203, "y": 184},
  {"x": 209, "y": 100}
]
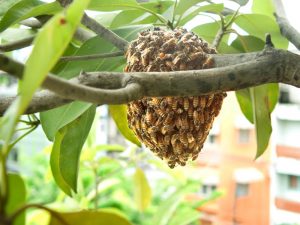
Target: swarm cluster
[{"x": 175, "y": 128}]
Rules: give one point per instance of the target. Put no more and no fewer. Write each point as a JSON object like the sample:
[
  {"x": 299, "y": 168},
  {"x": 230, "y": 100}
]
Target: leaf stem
[{"x": 21, "y": 137}]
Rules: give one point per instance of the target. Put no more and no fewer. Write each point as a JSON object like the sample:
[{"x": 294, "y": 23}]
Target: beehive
[{"x": 174, "y": 128}]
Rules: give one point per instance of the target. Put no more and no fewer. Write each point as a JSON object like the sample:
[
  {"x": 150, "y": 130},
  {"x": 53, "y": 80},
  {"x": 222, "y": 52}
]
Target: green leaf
[
  {"x": 185, "y": 216},
  {"x": 263, "y": 98},
  {"x": 55, "y": 119},
  {"x": 6, "y": 4},
  {"x": 119, "y": 115},
  {"x": 167, "y": 208},
  {"x": 55, "y": 163},
  {"x": 99, "y": 217},
  {"x": 248, "y": 43},
  {"x": 112, "y": 5},
  {"x": 16, "y": 197},
  {"x": 244, "y": 99},
  {"x": 26, "y": 9},
  {"x": 142, "y": 190},
  {"x": 265, "y": 7},
  {"x": 194, "y": 11},
  {"x": 49, "y": 44},
  {"x": 184, "y": 5},
  {"x": 66, "y": 150},
  {"x": 258, "y": 25},
  {"x": 208, "y": 31}
]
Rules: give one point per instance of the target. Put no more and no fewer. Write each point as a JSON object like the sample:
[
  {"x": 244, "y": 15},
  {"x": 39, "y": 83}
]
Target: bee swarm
[{"x": 174, "y": 128}]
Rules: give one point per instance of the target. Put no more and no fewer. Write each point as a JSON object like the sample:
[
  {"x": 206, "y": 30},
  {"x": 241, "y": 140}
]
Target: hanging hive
[{"x": 174, "y": 128}]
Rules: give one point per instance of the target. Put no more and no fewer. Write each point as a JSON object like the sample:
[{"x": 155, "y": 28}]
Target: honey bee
[
  {"x": 152, "y": 129},
  {"x": 169, "y": 100},
  {"x": 202, "y": 101},
  {"x": 183, "y": 139},
  {"x": 166, "y": 129},
  {"x": 206, "y": 115},
  {"x": 174, "y": 139},
  {"x": 161, "y": 113},
  {"x": 137, "y": 108},
  {"x": 208, "y": 63},
  {"x": 178, "y": 149},
  {"x": 154, "y": 101},
  {"x": 210, "y": 100},
  {"x": 184, "y": 123},
  {"x": 144, "y": 126},
  {"x": 195, "y": 156},
  {"x": 202, "y": 118},
  {"x": 174, "y": 104},
  {"x": 134, "y": 58},
  {"x": 178, "y": 123},
  {"x": 190, "y": 112},
  {"x": 141, "y": 46},
  {"x": 187, "y": 36},
  {"x": 169, "y": 64},
  {"x": 190, "y": 138},
  {"x": 167, "y": 139},
  {"x": 170, "y": 44},
  {"x": 196, "y": 117},
  {"x": 186, "y": 104},
  {"x": 171, "y": 164},
  {"x": 179, "y": 58},
  {"x": 197, "y": 55},
  {"x": 195, "y": 102},
  {"x": 179, "y": 110},
  {"x": 161, "y": 144}
]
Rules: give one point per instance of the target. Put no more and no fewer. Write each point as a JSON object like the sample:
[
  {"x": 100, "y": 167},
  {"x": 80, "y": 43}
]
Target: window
[
  {"x": 293, "y": 182},
  {"x": 242, "y": 189},
  {"x": 244, "y": 136},
  {"x": 207, "y": 189},
  {"x": 212, "y": 138}
]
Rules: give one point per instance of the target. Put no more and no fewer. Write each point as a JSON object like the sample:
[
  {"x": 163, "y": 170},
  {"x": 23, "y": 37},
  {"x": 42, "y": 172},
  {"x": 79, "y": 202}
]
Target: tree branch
[
  {"x": 105, "y": 33},
  {"x": 17, "y": 44},
  {"x": 91, "y": 57},
  {"x": 285, "y": 27},
  {"x": 234, "y": 72}
]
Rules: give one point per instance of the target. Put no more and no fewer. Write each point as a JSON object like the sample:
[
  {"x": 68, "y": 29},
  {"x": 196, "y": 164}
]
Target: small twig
[
  {"x": 107, "y": 34},
  {"x": 83, "y": 35},
  {"x": 25, "y": 207},
  {"x": 218, "y": 38},
  {"x": 91, "y": 57},
  {"x": 21, "y": 137},
  {"x": 269, "y": 43},
  {"x": 17, "y": 44},
  {"x": 288, "y": 31}
]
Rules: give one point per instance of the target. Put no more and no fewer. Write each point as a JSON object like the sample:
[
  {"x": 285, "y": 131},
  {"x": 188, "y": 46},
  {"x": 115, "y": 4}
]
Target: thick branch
[
  {"x": 236, "y": 72},
  {"x": 288, "y": 31},
  {"x": 285, "y": 27}
]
